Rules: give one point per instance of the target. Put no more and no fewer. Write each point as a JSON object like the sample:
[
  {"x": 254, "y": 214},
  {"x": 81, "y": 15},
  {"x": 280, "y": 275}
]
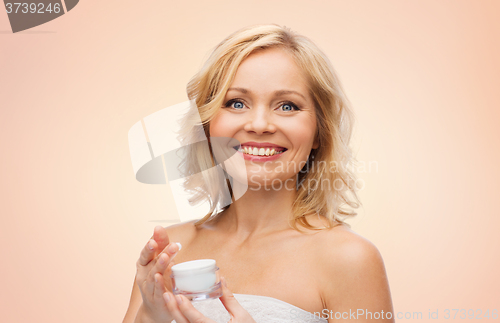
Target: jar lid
[{"x": 194, "y": 267}]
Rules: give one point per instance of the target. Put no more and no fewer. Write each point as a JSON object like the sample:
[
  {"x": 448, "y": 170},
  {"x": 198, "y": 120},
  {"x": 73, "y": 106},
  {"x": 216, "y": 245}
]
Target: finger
[
  {"x": 159, "y": 268},
  {"x": 231, "y": 303},
  {"x": 164, "y": 262},
  {"x": 171, "y": 249},
  {"x": 192, "y": 314},
  {"x": 168, "y": 276},
  {"x": 159, "y": 289},
  {"x": 161, "y": 237},
  {"x": 147, "y": 253},
  {"x": 162, "y": 266},
  {"x": 173, "y": 308}
]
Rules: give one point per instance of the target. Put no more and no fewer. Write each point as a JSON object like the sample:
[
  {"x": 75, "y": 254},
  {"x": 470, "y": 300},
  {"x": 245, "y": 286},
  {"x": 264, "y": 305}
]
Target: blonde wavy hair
[{"x": 334, "y": 126}]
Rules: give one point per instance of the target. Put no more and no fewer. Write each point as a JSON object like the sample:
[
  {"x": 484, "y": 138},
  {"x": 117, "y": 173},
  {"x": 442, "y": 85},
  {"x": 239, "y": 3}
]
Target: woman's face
[{"x": 268, "y": 106}]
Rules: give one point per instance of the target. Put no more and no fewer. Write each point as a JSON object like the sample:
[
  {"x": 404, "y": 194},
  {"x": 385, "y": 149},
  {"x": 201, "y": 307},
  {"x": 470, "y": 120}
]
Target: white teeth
[{"x": 260, "y": 151}]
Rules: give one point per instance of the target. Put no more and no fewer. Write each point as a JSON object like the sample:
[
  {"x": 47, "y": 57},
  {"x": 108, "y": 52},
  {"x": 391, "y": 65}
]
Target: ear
[{"x": 315, "y": 143}]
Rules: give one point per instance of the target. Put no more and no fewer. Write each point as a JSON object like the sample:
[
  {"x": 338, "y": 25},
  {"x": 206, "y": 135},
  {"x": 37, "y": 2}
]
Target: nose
[{"x": 260, "y": 121}]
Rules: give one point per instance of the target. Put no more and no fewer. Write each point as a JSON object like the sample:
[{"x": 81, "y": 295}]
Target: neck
[{"x": 258, "y": 210}]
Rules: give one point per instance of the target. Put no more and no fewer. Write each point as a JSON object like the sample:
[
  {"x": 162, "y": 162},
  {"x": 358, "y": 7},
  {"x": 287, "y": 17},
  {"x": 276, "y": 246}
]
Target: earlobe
[{"x": 315, "y": 143}]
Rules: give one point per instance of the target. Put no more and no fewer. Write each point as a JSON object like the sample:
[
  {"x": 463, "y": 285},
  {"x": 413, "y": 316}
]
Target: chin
[{"x": 269, "y": 182}]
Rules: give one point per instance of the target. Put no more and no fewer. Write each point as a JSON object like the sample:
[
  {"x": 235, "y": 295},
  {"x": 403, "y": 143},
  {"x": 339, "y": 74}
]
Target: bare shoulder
[
  {"x": 343, "y": 248},
  {"x": 351, "y": 273}
]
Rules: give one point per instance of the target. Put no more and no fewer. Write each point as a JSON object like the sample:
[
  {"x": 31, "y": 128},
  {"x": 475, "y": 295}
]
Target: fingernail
[
  {"x": 179, "y": 244},
  {"x": 156, "y": 279},
  {"x": 162, "y": 259},
  {"x": 171, "y": 248},
  {"x": 167, "y": 298},
  {"x": 151, "y": 244},
  {"x": 179, "y": 299}
]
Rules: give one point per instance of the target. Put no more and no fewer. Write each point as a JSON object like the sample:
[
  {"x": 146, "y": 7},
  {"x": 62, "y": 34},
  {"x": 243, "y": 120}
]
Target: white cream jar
[{"x": 196, "y": 279}]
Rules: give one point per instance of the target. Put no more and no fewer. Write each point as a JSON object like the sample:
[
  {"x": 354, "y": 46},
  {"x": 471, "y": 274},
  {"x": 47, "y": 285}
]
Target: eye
[
  {"x": 236, "y": 104},
  {"x": 289, "y": 106}
]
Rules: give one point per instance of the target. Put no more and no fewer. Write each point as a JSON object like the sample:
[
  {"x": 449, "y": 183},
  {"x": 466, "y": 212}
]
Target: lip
[{"x": 259, "y": 158}]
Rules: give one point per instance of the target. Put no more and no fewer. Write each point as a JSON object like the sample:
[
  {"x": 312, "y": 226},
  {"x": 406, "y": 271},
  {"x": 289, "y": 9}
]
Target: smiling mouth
[{"x": 262, "y": 151}]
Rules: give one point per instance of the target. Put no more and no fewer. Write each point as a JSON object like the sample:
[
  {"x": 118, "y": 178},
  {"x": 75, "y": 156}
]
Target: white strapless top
[{"x": 263, "y": 309}]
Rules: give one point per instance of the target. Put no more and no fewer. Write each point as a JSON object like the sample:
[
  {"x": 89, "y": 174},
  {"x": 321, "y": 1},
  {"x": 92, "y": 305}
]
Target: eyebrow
[{"x": 278, "y": 92}]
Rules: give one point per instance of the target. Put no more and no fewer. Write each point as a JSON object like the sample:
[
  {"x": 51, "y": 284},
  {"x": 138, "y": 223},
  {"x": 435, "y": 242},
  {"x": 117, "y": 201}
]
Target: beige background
[{"x": 421, "y": 76}]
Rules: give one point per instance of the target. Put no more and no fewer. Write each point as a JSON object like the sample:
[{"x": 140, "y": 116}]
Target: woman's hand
[
  {"x": 184, "y": 312},
  {"x": 153, "y": 276}
]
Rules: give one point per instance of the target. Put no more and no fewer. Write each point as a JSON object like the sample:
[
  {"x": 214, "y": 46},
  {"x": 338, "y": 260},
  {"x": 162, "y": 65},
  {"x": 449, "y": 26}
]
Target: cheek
[
  {"x": 221, "y": 126},
  {"x": 302, "y": 132}
]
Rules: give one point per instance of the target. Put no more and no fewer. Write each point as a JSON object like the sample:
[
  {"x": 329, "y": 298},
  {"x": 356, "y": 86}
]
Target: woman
[{"x": 284, "y": 246}]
